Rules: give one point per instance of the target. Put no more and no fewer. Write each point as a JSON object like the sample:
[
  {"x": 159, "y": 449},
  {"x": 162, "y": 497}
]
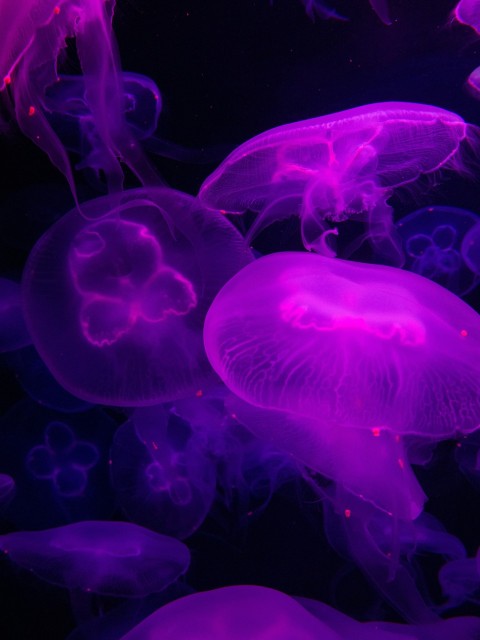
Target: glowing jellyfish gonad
[{"x": 340, "y": 166}]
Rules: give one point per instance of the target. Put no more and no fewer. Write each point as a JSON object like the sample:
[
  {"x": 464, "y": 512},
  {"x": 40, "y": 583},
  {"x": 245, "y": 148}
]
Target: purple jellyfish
[
  {"x": 163, "y": 478},
  {"x": 471, "y": 249},
  {"x": 468, "y": 12},
  {"x": 107, "y": 558},
  {"x": 116, "y": 304},
  {"x": 432, "y": 239},
  {"x": 235, "y": 613},
  {"x": 343, "y": 365},
  {"x": 340, "y": 166},
  {"x": 34, "y": 35}
]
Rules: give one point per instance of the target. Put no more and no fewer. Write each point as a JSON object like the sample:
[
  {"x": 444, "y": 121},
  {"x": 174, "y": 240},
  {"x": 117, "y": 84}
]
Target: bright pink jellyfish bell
[
  {"x": 116, "y": 303},
  {"x": 336, "y": 167}
]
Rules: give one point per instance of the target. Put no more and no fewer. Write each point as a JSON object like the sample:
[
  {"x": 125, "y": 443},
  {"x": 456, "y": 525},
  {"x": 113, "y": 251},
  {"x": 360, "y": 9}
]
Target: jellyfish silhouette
[
  {"x": 59, "y": 463},
  {"x": 34, "y": 38},
  {"x": 433, "y": 239},
  {"x": 116, "y": 304},
  {"x": 337, "y": 167},
  {"x": 471, "y": 249},
  {"x": 163, "y": 478},
  {"x": 342, "y": 365},
  {"x": 107, "y": 558}
]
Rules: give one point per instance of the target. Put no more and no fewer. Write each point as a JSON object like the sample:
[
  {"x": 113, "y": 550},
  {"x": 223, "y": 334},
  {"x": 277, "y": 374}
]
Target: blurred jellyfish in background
[
  {"x": 460, "y": 581},
  {"x": 471, "y": 249},
  {"x": 107, "y": 558},
  {"x": 116, "y": 305},
  {"x": 7, "y": 489},
  {"x": 432, "y": 239},
  {"x": 13, "y": 331},
  {"x": 339, "y": 167},
  {"x": 163, "y": 479},
  {"x": 34, "y": 49},
  {"x": 301, "y": 350},
  {"x": 59, "y": 463}
]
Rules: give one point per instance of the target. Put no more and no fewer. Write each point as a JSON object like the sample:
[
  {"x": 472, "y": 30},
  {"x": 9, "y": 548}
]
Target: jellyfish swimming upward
[{"x": 336, "y": 167}]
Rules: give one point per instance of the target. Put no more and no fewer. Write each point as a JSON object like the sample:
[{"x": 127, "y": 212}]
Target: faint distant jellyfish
[
  {"x": 341, "y": 364},
  {"x": 432, "y": 239},
  {"x": 116, "y": 305},
  {"x": 338, "y": 167},
  {"x": 471, "y": 249},
  {"x": 34, "y": 39},
  {"x": 163, "y": 478},
  {"x": 107, "y": 558},
  {"x": 13, "y": 332},
  {"x": 63, "y": 460}
]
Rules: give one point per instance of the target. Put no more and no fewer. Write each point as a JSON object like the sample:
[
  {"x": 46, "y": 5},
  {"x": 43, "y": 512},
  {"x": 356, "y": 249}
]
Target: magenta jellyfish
[
  {"x": 471, "y": 249},
  {"x": 343, "y": 365},
  {"x": 34, "y": 35},
  {"x": 163, "y": 478},
  {"x": 337, "y": 167},
  {"x": 235, "y": 613},
  {"x": 107, "y": 558},
  {"x": 116, "y": 304},
  {"x": 468, "y": 12},
  {"x": 433, "y": 239}
]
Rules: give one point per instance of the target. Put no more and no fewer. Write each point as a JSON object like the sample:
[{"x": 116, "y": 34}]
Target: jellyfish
[
  {"x": 13, "y": 332},
  {"x": 163, "y": 478},
  {"x": 235, "y": 613},
  {"x": 471, "y": 249},
  {"x": 59, "y": 463},
  {"x": 432, "y": 239},
  {"x": 468, "y": 12},
  {"x": 107, "y": 558},
  {"x": 343, "y": 364},
  {"x": 116, "y": 304},
  {"x": 34, "y": 47},
  {"x": 337, "y": 167},
  {"x": 460, "y": 581}
]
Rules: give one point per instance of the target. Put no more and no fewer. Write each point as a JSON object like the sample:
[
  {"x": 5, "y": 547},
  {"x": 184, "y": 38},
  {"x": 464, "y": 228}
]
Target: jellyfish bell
[
  {"x": 433, "y": 238},
  {"x": 107, "y": 558},
  {"x": 337, "y": 167},
  {"x": 468, "y": 12},
  {"x": 116, "y": 302}
]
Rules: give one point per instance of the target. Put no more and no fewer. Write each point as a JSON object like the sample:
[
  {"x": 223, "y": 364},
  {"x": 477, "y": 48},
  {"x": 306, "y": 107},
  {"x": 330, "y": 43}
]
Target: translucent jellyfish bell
[
  {"x": 468, "y": 12},
  {"x": 116, "y": 304},
  {"x": 107, "y": 558},
  {"x": 433, "y": 238},
  {"x": 336, "y": 167}
]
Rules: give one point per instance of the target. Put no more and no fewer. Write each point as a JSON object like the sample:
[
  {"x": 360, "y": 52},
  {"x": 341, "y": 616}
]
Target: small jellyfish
[
  {"x": 34, "y": 36},
  {"x": 432, "y": 239},
  {"x": 337, "y": 167},
  {"x": 59, "y": 463},
  {"x": 116, "y": 304},
  {"x": 235, "y": 613},
  {"x": 106, "y": 558},
  {"x": 13, "y": 332},
  {"x": 471, "y": 249},
  {"x": 163, "y": 478}
]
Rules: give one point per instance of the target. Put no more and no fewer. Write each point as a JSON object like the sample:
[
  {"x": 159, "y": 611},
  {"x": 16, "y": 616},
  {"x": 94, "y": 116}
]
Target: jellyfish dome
[
  {"x": 339, "y": 166},
  {"x": 468, "y": 12},
  {"x": 116, "y": 304},
  {"x": 108, "y": 558}
]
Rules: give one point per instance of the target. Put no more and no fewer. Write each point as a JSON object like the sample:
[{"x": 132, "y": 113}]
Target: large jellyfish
[
  {"x": 34, "y": 35},
  {"x": 340, "y": 166},
  {"x": 342, "y": 365},
  {"x": 116, "y": 305},
  {"x": 108, "y": 558}
]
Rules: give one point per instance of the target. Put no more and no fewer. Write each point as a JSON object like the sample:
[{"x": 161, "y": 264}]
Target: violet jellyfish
[
  {"x": 342, "y": 364},
  {"x": 108, "y": 558},
  {"x": 433, "y": 240},
  {"x": 337, "y": 167},
  {"x": 116, "y": 304},
  {"x": 468, "y": 12},
  {"x": 34, "y": 43}
]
